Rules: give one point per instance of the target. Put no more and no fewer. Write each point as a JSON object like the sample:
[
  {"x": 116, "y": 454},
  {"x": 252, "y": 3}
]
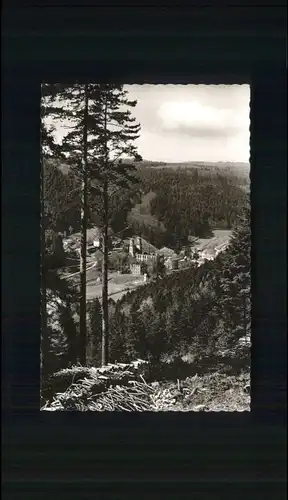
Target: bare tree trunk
[
  {"x": 105, "y": 331},
  {"x": 83, "y": 249}
]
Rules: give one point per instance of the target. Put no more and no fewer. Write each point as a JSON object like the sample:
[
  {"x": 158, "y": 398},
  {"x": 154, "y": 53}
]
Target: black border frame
[{"x": 44, "y": 450}]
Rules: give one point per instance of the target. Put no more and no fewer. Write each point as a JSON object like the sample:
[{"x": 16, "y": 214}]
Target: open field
[{"x": 117, "y": 284}]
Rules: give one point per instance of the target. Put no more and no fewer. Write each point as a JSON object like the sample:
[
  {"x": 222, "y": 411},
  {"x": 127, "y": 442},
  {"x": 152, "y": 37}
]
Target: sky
[{"x": 192, "y": 122}]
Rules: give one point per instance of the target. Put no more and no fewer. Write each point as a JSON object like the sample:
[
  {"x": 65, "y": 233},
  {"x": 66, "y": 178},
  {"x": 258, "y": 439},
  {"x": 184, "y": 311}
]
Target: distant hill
[{"x": 241, "y": 168}]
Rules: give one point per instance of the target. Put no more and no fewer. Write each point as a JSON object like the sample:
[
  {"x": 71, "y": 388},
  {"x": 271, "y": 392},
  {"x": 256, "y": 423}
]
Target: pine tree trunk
[
  {"x": 83, "y": 249},
  {"x": 105, "y": 332}
]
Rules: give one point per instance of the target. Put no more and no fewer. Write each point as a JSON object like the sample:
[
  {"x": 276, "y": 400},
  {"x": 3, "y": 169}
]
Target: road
[{"x": 67, "y": 277}]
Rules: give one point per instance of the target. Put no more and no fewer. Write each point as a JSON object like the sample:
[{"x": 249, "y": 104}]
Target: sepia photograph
[{"x": 145, "y": 247}]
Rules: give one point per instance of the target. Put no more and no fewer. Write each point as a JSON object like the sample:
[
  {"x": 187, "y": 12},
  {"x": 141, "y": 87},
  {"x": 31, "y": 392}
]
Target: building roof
[
  {"x": 167, "y": 252},
  {"x": 147, "y": 247}
]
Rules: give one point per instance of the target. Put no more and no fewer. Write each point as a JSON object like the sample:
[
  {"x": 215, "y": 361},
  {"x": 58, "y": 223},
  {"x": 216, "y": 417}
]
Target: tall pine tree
[
  {"x": 100, "y": 137},
  {"x": 117, "y": 131},
  {"x": 72, "y": 105},
  {"x": 48, "y": 147}
]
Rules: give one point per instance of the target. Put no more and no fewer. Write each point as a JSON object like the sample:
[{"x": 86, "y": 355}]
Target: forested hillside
[
  {"x": 62, "y": 201},
  {"x": 198, "y": 312},
  {"x": 193, "y": 317},
  {"x": 182, "y": 203},
  {"x": 166, "y": 206}
]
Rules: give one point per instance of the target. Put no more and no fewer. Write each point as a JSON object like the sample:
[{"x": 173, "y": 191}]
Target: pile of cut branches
[
  {"x": 75, "y": 387},
  {"x": 81, "y": 397},
  {"x": 135, "y": 397}
]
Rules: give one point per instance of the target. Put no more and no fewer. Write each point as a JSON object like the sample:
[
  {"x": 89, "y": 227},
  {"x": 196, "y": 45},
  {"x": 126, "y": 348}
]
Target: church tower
[
  {"x": 131, "y": 247},
  {"x": 139, "y": 244}
]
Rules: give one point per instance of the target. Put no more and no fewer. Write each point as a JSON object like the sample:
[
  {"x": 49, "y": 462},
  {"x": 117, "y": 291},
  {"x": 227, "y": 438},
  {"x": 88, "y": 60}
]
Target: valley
[{"x": 159, "y": 317}]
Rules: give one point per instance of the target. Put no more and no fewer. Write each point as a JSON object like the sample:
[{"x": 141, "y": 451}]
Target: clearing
[{"x": 215, "y": 244}]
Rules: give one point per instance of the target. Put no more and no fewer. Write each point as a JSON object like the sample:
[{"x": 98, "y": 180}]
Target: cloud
[
  {"x": 196, "y": 120},
  {"x": 174, "y": 113},
  {"x": 202, "y": 132}
]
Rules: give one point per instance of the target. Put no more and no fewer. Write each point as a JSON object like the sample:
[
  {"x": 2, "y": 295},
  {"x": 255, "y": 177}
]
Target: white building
[
  {"x": 142, "y": 250},
  {"x": 172, "y": 263},
  {"x": 97, "y": 242},
  {"x": 136, "y": 268},
  {"x": 144, "y": 257}
]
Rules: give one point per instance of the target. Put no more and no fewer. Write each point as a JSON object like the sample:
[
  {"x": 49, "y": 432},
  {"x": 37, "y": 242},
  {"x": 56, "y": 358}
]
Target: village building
[
  {"x": 137, "y": 268},
  {"x": 208, "y": 254},
  {"x": 172, "y": 263},
  {"x": 94, "y": 235},
  {"x": 141, "y": 250},
  {"x": 144, "y": 257},
  {"x": 97, "y": 242},
  {"x": 97, "y": 238}
]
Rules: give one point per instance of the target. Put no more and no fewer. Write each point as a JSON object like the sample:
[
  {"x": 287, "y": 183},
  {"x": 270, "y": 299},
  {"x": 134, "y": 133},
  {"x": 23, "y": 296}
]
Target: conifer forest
[{"x": 145, "y": 248}]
